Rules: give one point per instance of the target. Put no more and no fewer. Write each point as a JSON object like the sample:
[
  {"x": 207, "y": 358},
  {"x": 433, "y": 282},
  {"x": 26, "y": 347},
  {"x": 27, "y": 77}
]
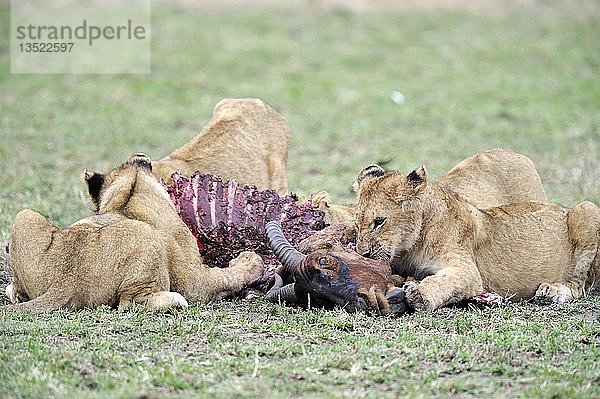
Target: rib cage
[{"x": 227, "y": 218}]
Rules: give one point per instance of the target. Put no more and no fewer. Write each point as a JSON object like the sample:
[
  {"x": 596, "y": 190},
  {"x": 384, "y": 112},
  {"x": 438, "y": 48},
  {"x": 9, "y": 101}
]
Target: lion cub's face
[{"x": 389, "y": 213}]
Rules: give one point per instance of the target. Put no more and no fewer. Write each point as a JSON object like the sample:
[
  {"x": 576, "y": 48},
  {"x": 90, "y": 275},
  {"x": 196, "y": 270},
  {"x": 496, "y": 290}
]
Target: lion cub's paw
[
  {"x": 250, "y": 263},
  {"x": 413, "y": 296},
  {"x": 558, "y": 293},
  {"x": 10, "y": 293},
  {"x": 165, "y": 300},
  {"x": 320, "y": 198}
]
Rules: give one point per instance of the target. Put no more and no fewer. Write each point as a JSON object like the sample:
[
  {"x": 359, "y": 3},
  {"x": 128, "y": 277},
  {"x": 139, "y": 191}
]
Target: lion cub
[
  {"x": 246, "y": 140},
  {"x": 456, "y": 250},
  {"x": 135, "y": 249},
  {"x": 486, "y": 179}
]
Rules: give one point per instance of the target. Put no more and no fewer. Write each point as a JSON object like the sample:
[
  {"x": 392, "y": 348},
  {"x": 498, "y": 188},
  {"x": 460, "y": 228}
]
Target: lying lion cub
[
  {"x": 135, "y": 249},
  {"x": 486, "y": 179},
  {"x": 246, "y": 140},
  {"x": 457, "y": 251}
]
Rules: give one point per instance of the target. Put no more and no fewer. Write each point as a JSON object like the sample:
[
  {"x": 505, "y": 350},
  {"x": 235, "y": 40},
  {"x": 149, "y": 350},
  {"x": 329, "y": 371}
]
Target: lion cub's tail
[
  {"x": 593, "y": 277},
  {"x": 594, "y": 274}
]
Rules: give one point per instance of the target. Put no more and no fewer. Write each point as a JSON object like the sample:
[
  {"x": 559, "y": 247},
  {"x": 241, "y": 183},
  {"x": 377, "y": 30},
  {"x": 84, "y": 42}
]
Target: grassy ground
[{"x": 524, "y": 79}]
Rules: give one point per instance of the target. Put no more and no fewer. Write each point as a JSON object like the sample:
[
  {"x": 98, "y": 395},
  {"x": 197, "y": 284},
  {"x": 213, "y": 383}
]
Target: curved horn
[
  {"x": 282, "y": 294},
  {"x": 289, "y": 256}
]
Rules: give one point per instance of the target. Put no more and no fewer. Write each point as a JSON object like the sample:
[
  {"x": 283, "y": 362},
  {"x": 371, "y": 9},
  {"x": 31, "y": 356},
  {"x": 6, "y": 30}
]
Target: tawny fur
[
  {"x": 135, "y": 249},
  {"x": 246, "y": 140},
  {"x": 487, "y": 179},
  {"x": 334, "y": 213},
  {"x": 458, "y": 250},
  {"x": 495, "y": 177}
]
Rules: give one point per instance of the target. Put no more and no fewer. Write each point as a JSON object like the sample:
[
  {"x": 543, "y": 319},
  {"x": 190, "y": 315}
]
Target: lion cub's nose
[
  {"x": 360, "y": 248},
  {"x": 366, "y": 252}
]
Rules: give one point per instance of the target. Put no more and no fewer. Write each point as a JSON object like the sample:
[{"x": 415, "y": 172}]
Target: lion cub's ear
[
  {"x": 94, "y": 181},
  {"x": 417, "y": 178},
  {"x": 367, "y": 173},
  {"x": 140, "y": 160}
]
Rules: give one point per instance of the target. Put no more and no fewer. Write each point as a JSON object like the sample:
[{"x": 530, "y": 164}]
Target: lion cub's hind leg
[
  {"x": 556, "y": 292},
  {"x": 583, "y": 222},
  {"x": 146, "y": 281},
  {"x": 53, "y": 299}
]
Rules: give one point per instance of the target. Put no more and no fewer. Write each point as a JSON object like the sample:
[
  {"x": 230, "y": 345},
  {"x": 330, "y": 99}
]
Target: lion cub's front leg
[
  {"x": 218, "y": 283},
  {"x": 457, "y": 278}
]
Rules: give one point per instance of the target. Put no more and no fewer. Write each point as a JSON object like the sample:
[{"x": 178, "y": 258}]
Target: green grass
[
  {"x": 254, "y": 349},
  {"x": 526, "y": 80}
]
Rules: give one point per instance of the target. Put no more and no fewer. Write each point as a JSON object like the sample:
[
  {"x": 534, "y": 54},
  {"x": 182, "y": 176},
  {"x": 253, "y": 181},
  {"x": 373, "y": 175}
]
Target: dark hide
[
  {"x": 329, "y": 279},
  {"x": 333, "y": 274}
]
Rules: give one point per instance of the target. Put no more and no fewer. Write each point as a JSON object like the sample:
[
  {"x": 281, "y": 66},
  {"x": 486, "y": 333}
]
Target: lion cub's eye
[
  {"x": 378, "y": 222},
  {"x": 322, "y": 261}
]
